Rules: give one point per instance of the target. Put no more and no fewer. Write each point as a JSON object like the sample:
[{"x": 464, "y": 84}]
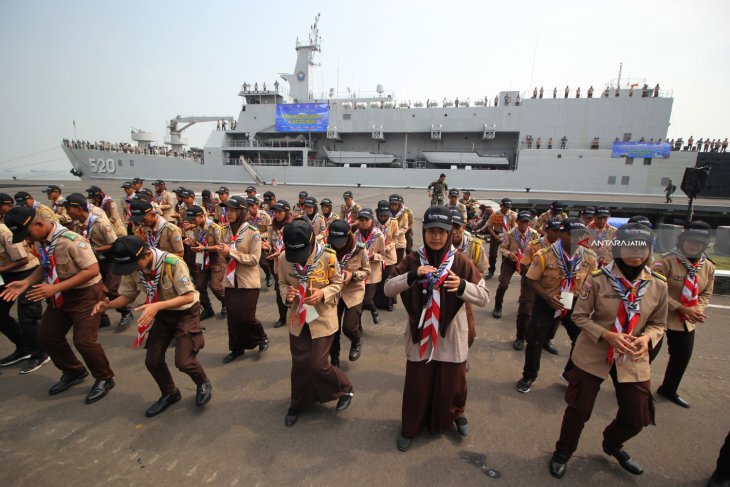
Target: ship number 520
[{"x": 103, "y": 166}]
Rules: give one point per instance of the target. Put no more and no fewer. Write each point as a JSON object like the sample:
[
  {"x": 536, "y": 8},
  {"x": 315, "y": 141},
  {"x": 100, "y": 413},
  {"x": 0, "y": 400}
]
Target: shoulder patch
[
  {"x": 659, "y": 276},
  {"x": 252, "y": 228},
  {"x": 596, "y": 273},
  {"x": 70, "y": 235},
  {"x": 330, "y": 250},
  {"x": 171, "y": 260},
  {"x": 361, "y": 245}
]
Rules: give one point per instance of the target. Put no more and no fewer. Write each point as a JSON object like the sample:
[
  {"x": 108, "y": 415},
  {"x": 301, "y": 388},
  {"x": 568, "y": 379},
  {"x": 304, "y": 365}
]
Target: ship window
[
  {"x": 119, "y": 163},
  {"x": 629, "y": 161},
  {"x": 346, "y": 116},
  {"x": 647, "y": 161},
  {"x": 131, "y": 163},
  {"x": 612, "y": 180},
  {"x": 625, "y": 180}
]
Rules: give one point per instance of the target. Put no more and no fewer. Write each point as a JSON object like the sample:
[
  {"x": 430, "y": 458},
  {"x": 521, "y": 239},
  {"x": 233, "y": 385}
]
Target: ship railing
[
  {"x": 597, "y": 93},
  {"x": 258, "y": 162},
  {"x": 259, "y": 144}
]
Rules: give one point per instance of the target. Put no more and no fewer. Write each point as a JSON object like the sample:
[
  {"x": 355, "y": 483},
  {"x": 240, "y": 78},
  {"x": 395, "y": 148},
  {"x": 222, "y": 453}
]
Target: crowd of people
[
  {"x": 127, "y": 148},
  {"x": 86, "y": 254}
]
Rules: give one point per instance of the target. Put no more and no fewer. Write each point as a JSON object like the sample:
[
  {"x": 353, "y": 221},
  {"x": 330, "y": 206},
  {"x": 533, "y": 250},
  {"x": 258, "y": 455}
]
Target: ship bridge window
[
  {"x": 625, "y": 180},
  {"x": 612, "y": 180},
  {"x": 119, "y": 163},
  {"x": 346, "y": 116},
  {"x": 629, "y": 161},
  {"x": 131, "y": 163},
  {"x": 647, "y": 161}
]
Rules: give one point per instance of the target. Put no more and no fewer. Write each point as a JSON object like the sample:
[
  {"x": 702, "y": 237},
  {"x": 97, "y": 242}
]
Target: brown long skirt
[
  {"x": 313, "y": 379},
  {"x": 244, "y": 329},
  {"x": 434, "y": 395}
]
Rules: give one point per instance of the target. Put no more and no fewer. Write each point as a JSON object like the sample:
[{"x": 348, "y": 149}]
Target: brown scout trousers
[
  {"x": 349, "y": 324},
  {"x": 111, "y": 282},
  {"x": 493, "y": 253},
  {"x": 245, "y": 331},
  {"x": 506, "y": 271},
  {"x": 313, "y": 378},
  {"x": 635, "y": 410},
  {"x": 75, "y": 312},
  {"x": 409, "y": 241},
  {"x": 184, "y": 327},
  {"x": 212, "y": 277}
]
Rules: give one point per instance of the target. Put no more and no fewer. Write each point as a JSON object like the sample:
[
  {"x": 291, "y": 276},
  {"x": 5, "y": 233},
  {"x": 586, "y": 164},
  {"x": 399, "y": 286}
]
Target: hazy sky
[{"x": 113, "y": 65}]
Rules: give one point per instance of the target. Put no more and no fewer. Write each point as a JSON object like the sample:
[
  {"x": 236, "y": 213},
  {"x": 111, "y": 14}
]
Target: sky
[{"x": 113, "y": 65}]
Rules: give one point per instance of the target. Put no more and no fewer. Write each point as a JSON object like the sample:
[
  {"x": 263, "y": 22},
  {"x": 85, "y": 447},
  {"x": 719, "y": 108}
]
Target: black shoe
[
  {"x": 34, "y": 364},
  {"x": 269, "y": 281},
  {"x": 489, "y": 275},
  {"x": 525, "y": 384},
  {"x": 232, "y": 356},
  {"x": 335, "y": 361},
  {"x": 224, "y": 312},
  {"x": 291, "y": 417},
  {"x": 518, "y": 344},
  {"x": 355, "y": 350},
  {"x": 263, "y": 346},
  {"x": 344, "y": 401},
  {"x": 675, "y": 398},
  {"x": 467, "y": 366},
  {"x": 279, "y": 323},
  {"x": 403, "y": 443},
  {"x": 497, "y": 313},
  {"x": 99, "y": 390},
  {"x": 14, "y": 358},
  {"x": 549, "y": 347},
  {"x": 206, "y": 313},
  {"x": 67, "y": 380},
  {"x": 717, "y": 481},
  {"x": 376, "y": 316},
  {"x": 462, "y": 427},
  {"x": 390, "y": 307},
  {"x": 558, "y": 465},
  {"x": 624, "y": 459},
  {"x": 125, "y": 320},
  {"x": 163, "y": 403},
  {"x": 105, "y": 322},
  {"x": 204, "y": 393}
]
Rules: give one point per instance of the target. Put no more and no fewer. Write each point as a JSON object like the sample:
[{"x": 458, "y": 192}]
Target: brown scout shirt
[
  {"x": 11, "y": 252},
  {"x": 72, "y": 254},
  {"x": 390, "y": 230},
  {"x": 545, "y": 270},
  {"x": 669, "y": 266},
  {"x": 213, "y": 235},
  {"x": 532, "y": 249},
  {"x": 607, "y": 234},
  {"x": 325, "y": 276},
  {"x": 60, "y": 211},
  {"x": 353, "y": 292},
  {"x": 319, "y": 225},
  {"x": 353, "y": 211},
  {"x": 175, "y": 281},
  {"x": 548, "y": 215},
  {"x": 263, "y": 223},
  {"x": 124, "y": 208},
  {"x": 405, "y": 220},
  {"x": 510, "y": 244},
  {"x": 596, "y": 311},
  {"x": 475, "y": 251},
  {"x": 45, "y": 212},
  {"x": 246, "y": 251},
  {"x": 496, "y": 221},
  {"x": 376, "y": 253},
  {"x": 112, "y": 213},
  {"x": 170, "y": 237},
  {"x": 166, "y": 202},
  {"x": 101, "y": 233}
]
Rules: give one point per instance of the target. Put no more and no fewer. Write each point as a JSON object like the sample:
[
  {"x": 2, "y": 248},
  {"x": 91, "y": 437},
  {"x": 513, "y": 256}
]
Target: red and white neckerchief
[
  {"x": 203, "y": 240},
  {"x": 346, "y": 258},
  {"x": 373, "y": 235},
  {"x": 48, "y": 261},
  {"x": 153, "y": 237},
  {"x": 384, "y": 228},
  {"x": 399, "y": 214},
  {"x": 233, "y": 241},
  {"x": 303, "y": 273},
  {"x": 505, "y": 222},
  {"x": 631, "y": 294},
  {"x": 348, "y": 214},
  {"x": 89, "y": 227},
  {"x": 151, "y": 292},
  {"x": 691, "y": 289},
  {"x": 431, "y": 314},
  {"x": 568, "y": 268},
  {"x": 465, "y": 241},
  {"x": 278, "y": 240},
  {"x": 105, "y": 200},
  {"x": 224, "y": 220},
  {"x": 255, "y": 220},
  {"x": 521, "y": 242}
]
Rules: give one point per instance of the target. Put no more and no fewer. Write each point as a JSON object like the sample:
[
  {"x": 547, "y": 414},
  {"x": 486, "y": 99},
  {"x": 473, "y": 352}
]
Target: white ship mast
[{"x": 299, "y": 87}]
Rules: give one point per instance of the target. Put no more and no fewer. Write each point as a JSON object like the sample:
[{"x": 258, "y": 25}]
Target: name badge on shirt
[
  {"x": 200, "y": 258},
  {"x": 566, "y": 298},
  {"x": 312, "y": 314}
]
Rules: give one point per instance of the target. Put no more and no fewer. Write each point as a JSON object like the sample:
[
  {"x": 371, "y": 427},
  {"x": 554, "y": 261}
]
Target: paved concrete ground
[{"x": 239, "y": 438}]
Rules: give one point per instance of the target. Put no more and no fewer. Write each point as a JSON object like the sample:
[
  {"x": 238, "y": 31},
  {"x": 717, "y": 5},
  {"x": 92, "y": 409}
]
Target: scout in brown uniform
[
  {"x": 433, "y": 284},
  {"x": 621, "y": 310},
  {"x": 312, "y": 216},
  {"x": 158, "y": 233},
  {"x": 241, "y": 244},
  {"x": 53, "y": 192},
  {"x": 556, "y": 274},
  {"x": 513, "y": 247},
  {"x": 148, "y": 195},
  {"x": 17, "y": 263},
  {"x": 209, "y": 203},
  {"x": 500, "y": 223},
  {"x": 527, "y": 296},
  {"x": 374, "y": 241},
  {"x": 355, "y": 268},
  {"x": 69, "y": 278},
  {"x": 164, "y": 199},
  {"x": 350, "y": 210},
  {"x": 298, "y": 209},
  {"x": 211, "y": 268},
  {"x": 309, "y": 281},
  {"x": 269, "y": 202},
  {"x": 25, "y": 199},
  {"x": 601, "y": 234},
  {"x": 137, "y": 184},
  {"x": 326, "y": 207},
  {"x": 274, "y": 245},
  {"x": 409, "y": 232},
  {"x": 690, "y": 277},
  {"x": 260, "y": 220},
  {"x": 95, "y": 227},
  {"x": 171, "y": 310},
  {"x": 124, "y": 203},
  {"x": 388, "y": 226},
  {"x": 453, "y": 203},
  {"x": 220, "y": 211},
  {"x": 401, "y": 214},
  {"x": 555, "y": 211},
  {"x": 107, "y": 204},
  {"x": 586, "y": 214}
]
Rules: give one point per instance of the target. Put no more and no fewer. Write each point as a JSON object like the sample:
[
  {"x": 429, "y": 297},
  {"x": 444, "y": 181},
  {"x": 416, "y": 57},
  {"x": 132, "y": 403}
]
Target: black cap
[
  {"x": 348, "y": 194},
  {"x": 303, "y": 194},
  {"x": 365, "y": 213},
  {"x": 6, "y": 199},
  {"x": 533, "y": 211},
  {"x": 137, "y": 180},
  {"x": 93, "y": 191},
  {"x": 571, "y": 224},
  {"x": 453, "y": 192},
  {"x": 383, "y": 208},
  {"x": 193, "y": 211},
  {"x": 138, "y": 208},
  {"x": 234, "y": 203},
  {"x": 437, "y": 217},
  {"x": 205, "y": 194},
  {"x": 21, "y": 196},
  {"x": 524, "y": 215},
  {"x": 698, "y": 231},
  {"x": 633, "y": 232},
  {"x": 127, "y": 251},
  {"x": 556, "y": 206},
  {"x": 142, "y": 196},
  {"x": 553, "y": 224},
  {"x": 588, "y": 210},
  {"x": 126, "y": 185},
  {"x": 298, "y": 238},
  {"x": 282, "y": 205},
  {"x": 76, "y": 199},
  {"x": 252, "y": 201},
  {"x": 338, "y": 232},
  {"x": 251, "y": 189},
  {"x": 466, "y": 191},
  {"x": 442, "y": 175},
  {"x": 602, "y": 212},
  {"x": 506, "y": 202},
  {"x": 18, "y": 220},
  {"x": 158, "y": 182},
  {"x": 394, "y": 198},
  {"x": 326, "y": 202},
  {"x": 178, "y": 191},
  {"x": 53, "y": 187},
  {"x": 641, "y": 219},
  {"x": 457, "y": 218},
  {"x": 187, "y": 193},
  {"x": 148, "y": 192},
  {"x": 310, "y": 201},
  {"x": 269, "y": 195},
  {"x": 222, "y": 190}
]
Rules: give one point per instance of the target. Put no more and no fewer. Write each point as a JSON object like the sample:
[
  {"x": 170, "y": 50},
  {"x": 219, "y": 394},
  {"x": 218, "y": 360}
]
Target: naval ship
[{"x": 613, "y": 141}]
